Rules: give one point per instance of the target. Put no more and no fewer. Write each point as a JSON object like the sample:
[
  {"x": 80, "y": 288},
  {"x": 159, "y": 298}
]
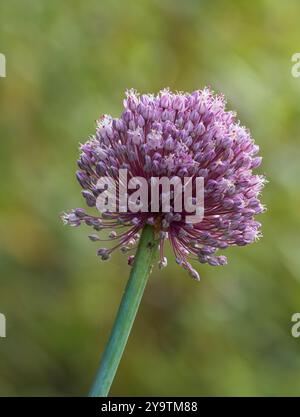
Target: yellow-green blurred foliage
[{"x": 67, "y": 63}]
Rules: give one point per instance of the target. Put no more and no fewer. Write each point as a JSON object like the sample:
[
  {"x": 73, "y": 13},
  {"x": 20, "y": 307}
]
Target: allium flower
[{"x": 175, "y": 134}]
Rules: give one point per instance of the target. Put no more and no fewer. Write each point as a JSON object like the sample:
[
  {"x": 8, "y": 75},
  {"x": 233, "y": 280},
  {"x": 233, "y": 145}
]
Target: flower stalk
[{"x": 135, "y": 287}]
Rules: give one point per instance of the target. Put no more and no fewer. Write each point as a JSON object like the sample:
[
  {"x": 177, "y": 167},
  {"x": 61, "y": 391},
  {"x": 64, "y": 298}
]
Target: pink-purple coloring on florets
[{"x": 175, "y": 134}]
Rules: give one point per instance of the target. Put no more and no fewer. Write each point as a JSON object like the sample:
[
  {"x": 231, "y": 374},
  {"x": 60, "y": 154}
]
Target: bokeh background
[{"x": 67, "y": 63}]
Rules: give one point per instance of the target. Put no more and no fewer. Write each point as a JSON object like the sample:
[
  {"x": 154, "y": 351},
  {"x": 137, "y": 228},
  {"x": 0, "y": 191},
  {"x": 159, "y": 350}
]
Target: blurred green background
[{"x": 67, "y": 63}]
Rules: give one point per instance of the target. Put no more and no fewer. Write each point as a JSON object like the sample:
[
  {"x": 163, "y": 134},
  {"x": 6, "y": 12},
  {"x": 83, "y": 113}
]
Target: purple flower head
[{"x": 174, "y": 135}]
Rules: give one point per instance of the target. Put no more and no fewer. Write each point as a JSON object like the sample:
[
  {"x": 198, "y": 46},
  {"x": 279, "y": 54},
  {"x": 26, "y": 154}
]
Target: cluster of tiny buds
[{"x": 183, "y": 135}]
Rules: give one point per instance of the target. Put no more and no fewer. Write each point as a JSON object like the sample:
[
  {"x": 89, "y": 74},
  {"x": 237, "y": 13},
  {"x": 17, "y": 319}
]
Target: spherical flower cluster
[{"x": 175, "y": 134}]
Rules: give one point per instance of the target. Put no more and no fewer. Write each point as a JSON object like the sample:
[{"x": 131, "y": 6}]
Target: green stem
[{"x": 126, "y": 314}]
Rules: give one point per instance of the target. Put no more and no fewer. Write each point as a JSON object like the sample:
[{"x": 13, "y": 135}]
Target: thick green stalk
[{"x": 126, "y": 314}]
